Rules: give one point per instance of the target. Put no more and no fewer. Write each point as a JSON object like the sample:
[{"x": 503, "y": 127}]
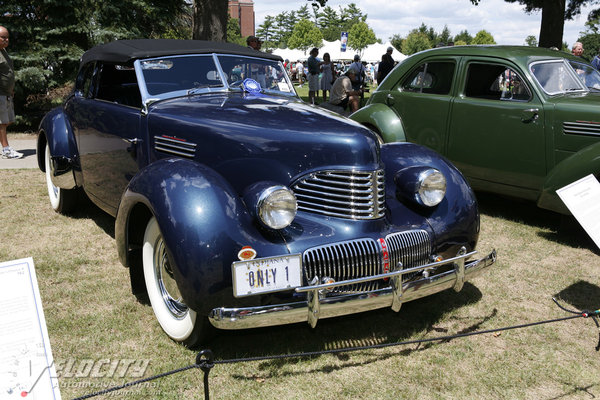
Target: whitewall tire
[{"x": 174, "y": 316}]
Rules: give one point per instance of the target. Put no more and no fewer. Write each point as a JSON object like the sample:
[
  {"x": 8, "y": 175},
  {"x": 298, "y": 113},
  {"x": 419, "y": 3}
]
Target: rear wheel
[
  {"x": 62, "y": 200},
  {"x": 179, "y": 322}
]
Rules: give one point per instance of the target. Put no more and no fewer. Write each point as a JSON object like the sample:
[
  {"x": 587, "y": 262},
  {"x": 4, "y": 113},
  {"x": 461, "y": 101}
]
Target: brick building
[{"x": 243, "y": 11}]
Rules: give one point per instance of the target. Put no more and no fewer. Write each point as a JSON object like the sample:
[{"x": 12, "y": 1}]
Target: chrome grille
[
  {"x": 411, "y": 248},
  {"x": 344, "y": 194},
  {"x": 177, "y": 147},
  {"x": 363, "y": 257},
  {"x": 587, "y": 128},
  {"x": 343, "y": 261}
]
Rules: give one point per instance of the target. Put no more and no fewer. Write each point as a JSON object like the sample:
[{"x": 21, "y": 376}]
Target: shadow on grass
[
  {"x": 365, "y": 329},
  {"x": 582, "y": 295},
  {"x": 86, "y": 209},
  {"x": 557, "y": 228}
]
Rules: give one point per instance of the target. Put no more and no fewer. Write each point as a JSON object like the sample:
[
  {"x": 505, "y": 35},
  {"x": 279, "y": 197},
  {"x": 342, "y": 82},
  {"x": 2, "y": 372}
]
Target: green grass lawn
[{"x": 91, "y": 315}]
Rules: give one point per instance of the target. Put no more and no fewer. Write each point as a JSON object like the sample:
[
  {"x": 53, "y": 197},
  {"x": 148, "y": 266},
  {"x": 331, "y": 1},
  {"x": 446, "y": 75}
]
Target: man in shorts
[{"x": 7, "y": 87}]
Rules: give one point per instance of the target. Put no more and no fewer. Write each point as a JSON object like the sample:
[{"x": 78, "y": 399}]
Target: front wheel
[
  {"x": 178, "y": 321},
  {"x": 63, "y": 201}
]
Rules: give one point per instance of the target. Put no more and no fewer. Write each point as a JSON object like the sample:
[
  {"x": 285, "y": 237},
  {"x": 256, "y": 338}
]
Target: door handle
[
  {"x": 133, "y": 141},
  {"x": 389, "y": 100},
  {"x": 530, "y": 115}
]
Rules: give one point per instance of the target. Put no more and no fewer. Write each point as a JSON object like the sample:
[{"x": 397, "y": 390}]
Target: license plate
[{"x": 263, "y": 275}]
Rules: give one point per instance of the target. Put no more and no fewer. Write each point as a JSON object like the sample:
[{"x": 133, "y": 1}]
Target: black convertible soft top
[{"x": 124, "y": 51}]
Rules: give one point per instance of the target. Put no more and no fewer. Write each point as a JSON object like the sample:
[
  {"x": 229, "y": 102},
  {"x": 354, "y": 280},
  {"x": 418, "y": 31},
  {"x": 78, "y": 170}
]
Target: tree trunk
[
  {"x": 210, "y": 20},
  {"x": 553, "y": 23}
]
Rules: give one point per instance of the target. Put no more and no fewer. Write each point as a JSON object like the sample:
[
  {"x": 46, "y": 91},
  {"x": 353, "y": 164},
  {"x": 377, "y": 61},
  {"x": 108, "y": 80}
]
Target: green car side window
[
  {"x": 433, "y": 77},
  {"x": 495, "y": 82}
]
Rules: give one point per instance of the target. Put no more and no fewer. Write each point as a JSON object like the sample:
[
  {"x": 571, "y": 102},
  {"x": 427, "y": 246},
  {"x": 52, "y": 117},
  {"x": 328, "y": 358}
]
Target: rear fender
[
  {"x": 56, "y": 131},
  {"x": 575, "y": 167},
  {"x": 383, "y": 120},
  {"x": 204, "y": 224}
]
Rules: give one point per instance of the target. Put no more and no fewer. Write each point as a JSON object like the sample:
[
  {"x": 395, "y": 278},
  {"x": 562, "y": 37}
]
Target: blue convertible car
[{"x": 237, "y": 205}]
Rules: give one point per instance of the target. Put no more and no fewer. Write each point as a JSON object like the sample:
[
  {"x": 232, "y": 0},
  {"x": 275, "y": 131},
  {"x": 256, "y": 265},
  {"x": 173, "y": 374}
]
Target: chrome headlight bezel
[
  {"x": 276, "y": 207},
  {"x": 430, "y": 187}
]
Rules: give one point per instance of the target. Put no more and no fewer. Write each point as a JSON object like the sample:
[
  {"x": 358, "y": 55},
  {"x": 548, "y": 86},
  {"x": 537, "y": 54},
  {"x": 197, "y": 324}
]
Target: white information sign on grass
[
  {"x": 582, "y": 198},
  {"x": 26, "y": 364}
]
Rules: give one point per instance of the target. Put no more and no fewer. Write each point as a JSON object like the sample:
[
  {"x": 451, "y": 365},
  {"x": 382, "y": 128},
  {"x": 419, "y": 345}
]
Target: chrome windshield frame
[{"x": 571, "y": 73}]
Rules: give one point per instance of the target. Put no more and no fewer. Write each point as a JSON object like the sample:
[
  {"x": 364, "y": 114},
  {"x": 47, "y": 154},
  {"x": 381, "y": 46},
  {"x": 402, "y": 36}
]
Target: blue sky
[{"x": 507, "y": 22}]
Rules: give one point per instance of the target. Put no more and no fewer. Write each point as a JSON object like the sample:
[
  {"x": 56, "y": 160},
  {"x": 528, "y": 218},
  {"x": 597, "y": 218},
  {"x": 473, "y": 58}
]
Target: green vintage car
[{"x": 518, "y": 121}]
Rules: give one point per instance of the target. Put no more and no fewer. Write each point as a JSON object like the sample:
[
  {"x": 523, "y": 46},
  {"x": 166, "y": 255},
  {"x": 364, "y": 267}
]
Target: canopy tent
[{"x": 372, "y": 53}]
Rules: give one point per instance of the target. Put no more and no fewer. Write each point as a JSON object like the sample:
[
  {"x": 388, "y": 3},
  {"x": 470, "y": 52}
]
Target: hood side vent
[
  {"x": 585, "y": 128},
  {"x": 176, "y": 147}
]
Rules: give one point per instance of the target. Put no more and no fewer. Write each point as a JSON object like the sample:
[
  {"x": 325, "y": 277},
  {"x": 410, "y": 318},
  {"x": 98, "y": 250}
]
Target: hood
[{"x": 249, "y": 138}]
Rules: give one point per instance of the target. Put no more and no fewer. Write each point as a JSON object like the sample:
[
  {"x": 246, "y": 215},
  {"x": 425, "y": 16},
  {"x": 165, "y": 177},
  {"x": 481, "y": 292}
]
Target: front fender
[
  {"x": 383, "y": 119},
  {"x": 456, "y": 219},
  {"x": 204, "y": 224},
  {"x": 575, "y": 167},
  {"x": 56, "y": 131}
]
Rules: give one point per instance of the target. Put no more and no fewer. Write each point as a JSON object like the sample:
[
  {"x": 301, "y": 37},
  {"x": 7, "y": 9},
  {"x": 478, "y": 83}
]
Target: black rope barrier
[{"x": 205, "y": 358}]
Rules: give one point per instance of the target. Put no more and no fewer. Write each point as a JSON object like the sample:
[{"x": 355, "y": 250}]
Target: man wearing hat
[
  {"x": 253, "y": 42},
  {"x": 385, "y": 66},
  {"x": 342, "y": 92}
]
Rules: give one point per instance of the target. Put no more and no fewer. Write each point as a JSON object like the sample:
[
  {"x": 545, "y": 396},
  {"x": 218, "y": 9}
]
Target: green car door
[
  {"x": 496, "y": 129},
  {"x": 423, "y": 99}
]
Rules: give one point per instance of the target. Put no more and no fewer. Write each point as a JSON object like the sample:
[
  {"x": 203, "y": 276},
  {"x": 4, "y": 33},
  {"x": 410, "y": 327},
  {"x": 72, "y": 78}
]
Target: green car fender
[
  {"x": 383, "y": 120},
  {"x": 575, "y": 167}
]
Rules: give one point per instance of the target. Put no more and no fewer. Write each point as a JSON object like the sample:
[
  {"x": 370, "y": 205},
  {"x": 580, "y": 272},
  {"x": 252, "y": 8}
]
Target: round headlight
[
  {"x": 431, "y": 187},
  {"x": 277, "y": 207}
]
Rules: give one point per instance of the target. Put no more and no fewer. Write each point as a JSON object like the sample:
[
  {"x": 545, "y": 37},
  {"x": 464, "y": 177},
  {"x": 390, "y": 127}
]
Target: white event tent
[{"x": 372, "y": 53}]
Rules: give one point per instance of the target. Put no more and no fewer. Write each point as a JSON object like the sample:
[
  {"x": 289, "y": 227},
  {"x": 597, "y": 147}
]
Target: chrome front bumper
[{"x": 318, "y": 306}]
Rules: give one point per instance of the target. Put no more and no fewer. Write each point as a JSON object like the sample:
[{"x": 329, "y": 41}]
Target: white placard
[
  {"x": 26, "y": 364},
  {"x": 582, "y": 198}
]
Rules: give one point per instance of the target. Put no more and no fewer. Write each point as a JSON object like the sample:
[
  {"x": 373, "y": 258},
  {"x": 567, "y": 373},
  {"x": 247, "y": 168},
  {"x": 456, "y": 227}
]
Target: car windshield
[
  {"x": 557, "y": 77},
  {"x": 270, "y": 75},
  {"x": 191, "y": 74},
  {"x": 588, "y": 75}
]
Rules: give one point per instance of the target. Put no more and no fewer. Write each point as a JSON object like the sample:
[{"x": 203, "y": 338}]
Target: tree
[
  {"x": 415, "y": 42},
  {"x": 590, "y": 39},
  {"x": 463, "y": 37},
  {"x": 531, "y": 41},
  {"x": 554, "y": 14},
  {"x": 234, "y": 34},
  {"x": 445, "y": 36},
  {"x": 266, "y": 31},
  {"x": 49, "y": 37},
  {"x": 396, "y": 41},
  {"x": 210, "y": 20},
  {"x": 361, "y": 36},
  {"x": 483, "y": 37},
  {"x": 305, "y": 35}
]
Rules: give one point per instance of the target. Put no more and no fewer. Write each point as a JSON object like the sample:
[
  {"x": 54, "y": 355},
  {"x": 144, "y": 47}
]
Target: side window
[
  {"x": 432, "y": 77},
  {"x": 84, "y": 80},
  {"x": 118, "y": 84},
  {"x": 495, "y": 82}
]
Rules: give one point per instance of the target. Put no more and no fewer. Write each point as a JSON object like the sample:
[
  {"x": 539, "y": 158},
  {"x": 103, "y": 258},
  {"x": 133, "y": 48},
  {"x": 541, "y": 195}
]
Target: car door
[
  {"x": 106, "y": 120},
  {"x": 496, "y": 136},
  {"x": 423, "y": 99}
]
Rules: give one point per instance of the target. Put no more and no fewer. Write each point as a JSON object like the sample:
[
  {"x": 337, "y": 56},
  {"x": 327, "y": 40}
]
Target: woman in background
[{"x": 328, "y": 75}]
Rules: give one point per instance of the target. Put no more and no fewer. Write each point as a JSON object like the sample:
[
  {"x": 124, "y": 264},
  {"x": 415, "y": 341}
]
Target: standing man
[
  {"x": 313, "y": 65},
  {"x": 386, "y": 65},
  {"x": 7, "y": 88}
]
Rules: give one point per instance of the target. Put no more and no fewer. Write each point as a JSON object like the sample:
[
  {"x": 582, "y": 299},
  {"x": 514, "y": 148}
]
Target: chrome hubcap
[{"x": 166, "y": 282}]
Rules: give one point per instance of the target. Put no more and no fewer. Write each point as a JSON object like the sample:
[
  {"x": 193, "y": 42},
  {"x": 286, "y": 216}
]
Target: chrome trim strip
[
  {"x": 315, "y": 308},
  {"x": 581, "y": 128}
]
